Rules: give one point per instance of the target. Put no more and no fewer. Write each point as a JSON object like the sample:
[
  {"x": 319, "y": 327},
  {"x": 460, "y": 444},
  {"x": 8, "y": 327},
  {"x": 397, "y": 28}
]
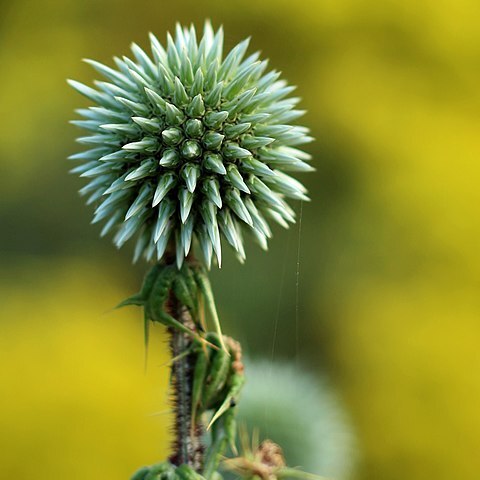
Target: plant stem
[{"x": 187, "y": 446}]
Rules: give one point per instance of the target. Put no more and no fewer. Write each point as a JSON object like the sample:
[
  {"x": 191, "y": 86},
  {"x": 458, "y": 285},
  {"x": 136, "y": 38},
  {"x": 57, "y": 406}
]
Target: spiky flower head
[{"x": 187, "y": 145}]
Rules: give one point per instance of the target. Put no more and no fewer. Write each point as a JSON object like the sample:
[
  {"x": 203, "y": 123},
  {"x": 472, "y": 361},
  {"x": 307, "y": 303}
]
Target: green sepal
[
  {"x": 215, "y": 95},
  {"x": 197, "y": 86},
  {"x": 235, "y": 130},
  {"x": 191, "y": 149},
  {"x": 170, "y": 158},
  {"x": 151, "y": 125},
  {"x": 194, "y": 128},
  {"x": 214, "y": 163},
  {"x": 215, "y": 119},
  {"x": 174, "y": 116},
  {"x": 196, "y": 108},
  {"x": 180, "y": 96},
  {"x": 156, "y": 100},
  {"x": 213, "y": 140},
  {"x": 172, "y": 136}
]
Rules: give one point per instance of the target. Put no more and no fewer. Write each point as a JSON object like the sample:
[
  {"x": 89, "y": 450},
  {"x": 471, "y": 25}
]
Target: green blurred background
[{"x": 388, "y": 299}]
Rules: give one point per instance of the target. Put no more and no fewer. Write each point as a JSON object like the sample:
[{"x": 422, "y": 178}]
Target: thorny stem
[{"x": 187, "y": 443}]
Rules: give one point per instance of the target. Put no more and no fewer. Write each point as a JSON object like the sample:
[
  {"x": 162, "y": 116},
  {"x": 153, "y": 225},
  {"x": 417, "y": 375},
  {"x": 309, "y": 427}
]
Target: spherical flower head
[{"x": 187, "y": 145}]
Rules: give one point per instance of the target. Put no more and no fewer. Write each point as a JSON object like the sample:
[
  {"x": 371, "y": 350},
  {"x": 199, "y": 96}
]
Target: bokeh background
[{"x": 389, "y": 268}]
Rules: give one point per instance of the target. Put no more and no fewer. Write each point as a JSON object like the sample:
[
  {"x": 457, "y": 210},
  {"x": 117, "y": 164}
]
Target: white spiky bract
[{"x": 188, "y": 145}]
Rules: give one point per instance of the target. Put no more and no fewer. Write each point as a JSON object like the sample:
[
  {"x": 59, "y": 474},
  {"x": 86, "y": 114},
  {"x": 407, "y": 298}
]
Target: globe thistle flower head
[{"x": 186, "y": 146}]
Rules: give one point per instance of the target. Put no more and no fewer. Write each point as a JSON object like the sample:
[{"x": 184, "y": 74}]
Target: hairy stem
[{"x": 187, "y": 443}]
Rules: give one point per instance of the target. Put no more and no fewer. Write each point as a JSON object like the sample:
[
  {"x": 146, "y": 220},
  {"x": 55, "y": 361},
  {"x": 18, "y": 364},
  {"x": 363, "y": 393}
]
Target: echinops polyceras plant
[{"x": 188, "y": 146}]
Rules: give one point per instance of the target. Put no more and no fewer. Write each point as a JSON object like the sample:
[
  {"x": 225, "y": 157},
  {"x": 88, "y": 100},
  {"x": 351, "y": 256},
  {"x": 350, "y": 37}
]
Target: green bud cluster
[{"x": 187, "y": 146}]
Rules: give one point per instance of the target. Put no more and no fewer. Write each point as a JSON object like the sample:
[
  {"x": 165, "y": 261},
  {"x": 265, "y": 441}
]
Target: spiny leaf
[{"x": 136, "y": 299}]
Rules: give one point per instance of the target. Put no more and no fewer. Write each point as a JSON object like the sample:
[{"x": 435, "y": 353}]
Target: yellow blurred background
[{"x": 388, "y": 299}]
